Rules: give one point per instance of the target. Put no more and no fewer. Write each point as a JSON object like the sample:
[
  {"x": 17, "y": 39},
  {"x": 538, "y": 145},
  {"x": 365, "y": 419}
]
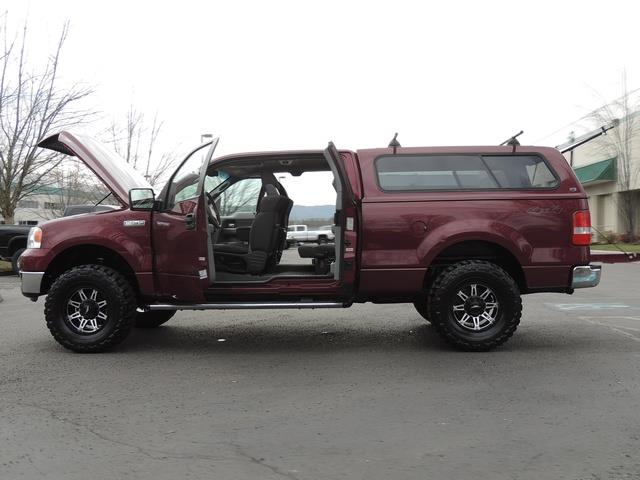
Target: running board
[{"x": 243, "y": 306}]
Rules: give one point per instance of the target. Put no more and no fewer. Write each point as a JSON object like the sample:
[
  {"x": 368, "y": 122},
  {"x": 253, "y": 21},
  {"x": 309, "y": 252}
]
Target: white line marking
[
  {"x": 587, "y": 306},
  {"x": 618, "y": 329}
]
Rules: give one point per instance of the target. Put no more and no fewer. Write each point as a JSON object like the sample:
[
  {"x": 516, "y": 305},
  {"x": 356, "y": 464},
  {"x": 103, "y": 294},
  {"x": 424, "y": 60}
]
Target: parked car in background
[
  {"x": 80, "y": 209},
  {"x": 13, "y": 241},
  {"x": 302, "y": 234}
]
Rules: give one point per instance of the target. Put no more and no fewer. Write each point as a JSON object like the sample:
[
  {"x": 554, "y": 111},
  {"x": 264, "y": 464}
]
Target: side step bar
[{"x": 244, "y": 305}]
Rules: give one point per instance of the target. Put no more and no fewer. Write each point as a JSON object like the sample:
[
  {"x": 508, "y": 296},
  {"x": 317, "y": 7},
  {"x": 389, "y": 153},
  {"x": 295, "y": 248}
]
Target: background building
[
  {"x": 50, "y": 202},
  {"x": 598, "y": 165}
]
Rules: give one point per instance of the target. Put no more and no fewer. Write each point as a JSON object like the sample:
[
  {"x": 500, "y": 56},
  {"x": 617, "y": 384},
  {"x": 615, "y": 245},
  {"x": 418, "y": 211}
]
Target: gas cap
[{"x": 418, "y": 228}]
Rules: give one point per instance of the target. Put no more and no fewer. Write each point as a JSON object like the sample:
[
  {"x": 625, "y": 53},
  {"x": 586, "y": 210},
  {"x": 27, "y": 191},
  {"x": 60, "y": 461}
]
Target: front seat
[
  {"x": 264, "y": 239},
  {"x": 283, "y": 218}
]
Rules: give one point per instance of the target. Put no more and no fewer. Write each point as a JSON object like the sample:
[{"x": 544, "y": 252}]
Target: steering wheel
[{"x": 212, "y": 210}]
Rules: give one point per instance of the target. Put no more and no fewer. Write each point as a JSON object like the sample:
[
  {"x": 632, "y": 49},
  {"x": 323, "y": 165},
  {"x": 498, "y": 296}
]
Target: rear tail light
[{"x": 581, "y": 228}]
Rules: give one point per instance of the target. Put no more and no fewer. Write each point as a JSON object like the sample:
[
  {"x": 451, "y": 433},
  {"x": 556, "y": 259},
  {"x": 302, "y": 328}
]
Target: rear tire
[
  {"x": 474, "y": 305},
  {"x": 14, "y": 260},
  {"x": 153, "y": 319},
  {"x": 322, "y": 239},
  {"x": 90, "y": 308}
]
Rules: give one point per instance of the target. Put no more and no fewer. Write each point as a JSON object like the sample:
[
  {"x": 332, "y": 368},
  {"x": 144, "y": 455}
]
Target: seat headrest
[
  {"x": 270, "y": 190},
  {"x": 268, "y": 178},
  {"x": 273, "y": 203}
]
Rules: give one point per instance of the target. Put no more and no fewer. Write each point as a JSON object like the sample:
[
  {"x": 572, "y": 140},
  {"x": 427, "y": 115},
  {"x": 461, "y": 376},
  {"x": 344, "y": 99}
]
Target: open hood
[{"x": 118, "y": 175}]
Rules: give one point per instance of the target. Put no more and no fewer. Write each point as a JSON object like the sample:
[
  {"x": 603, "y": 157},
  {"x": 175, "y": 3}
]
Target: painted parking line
[
  {"x": 618, "y": 324},
  {"x": 569, "y": 307}
]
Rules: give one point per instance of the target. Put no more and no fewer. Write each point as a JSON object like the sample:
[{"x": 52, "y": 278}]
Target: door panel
[
  {"x": 238, "y": 204},
  {"x": 233, "y": 226},
  {"x": 180, "y": 251},
  {"x": 181, "y": 236},
  {"x": 346, "y": 225}
]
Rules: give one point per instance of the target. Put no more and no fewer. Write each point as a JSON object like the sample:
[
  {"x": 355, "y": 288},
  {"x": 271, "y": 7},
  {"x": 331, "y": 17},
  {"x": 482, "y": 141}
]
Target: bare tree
[
  {"x": 618, "y": 143},
  {"x": 32, "y": 104},
  {"x": 71, "y": 183},
  {"x": 135, "y": 141}
]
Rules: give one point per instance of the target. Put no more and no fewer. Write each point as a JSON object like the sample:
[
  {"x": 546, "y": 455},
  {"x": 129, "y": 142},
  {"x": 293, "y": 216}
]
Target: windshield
[{"x": 215, "y": 181}]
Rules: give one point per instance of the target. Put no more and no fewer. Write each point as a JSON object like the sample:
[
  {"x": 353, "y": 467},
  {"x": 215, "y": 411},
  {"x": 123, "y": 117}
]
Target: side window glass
[
  {"x": 184, "y": 185},
  {"x": 241, "y": 197},
  {"x": 463, "y": 172},
  {"x": 521, "y": 171},
  {"x": 433, "y": 172}
]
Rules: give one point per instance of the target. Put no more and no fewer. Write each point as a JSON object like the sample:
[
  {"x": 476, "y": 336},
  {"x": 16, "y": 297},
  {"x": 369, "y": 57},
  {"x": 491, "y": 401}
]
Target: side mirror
[{"x": 141, "y": 199}]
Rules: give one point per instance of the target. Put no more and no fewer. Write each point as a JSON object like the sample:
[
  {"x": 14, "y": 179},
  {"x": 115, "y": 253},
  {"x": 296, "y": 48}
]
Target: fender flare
[{"x": 480, "y": 230}]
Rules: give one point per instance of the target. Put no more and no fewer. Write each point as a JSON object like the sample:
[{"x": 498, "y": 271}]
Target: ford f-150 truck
[{"x": 460, "y": 232}]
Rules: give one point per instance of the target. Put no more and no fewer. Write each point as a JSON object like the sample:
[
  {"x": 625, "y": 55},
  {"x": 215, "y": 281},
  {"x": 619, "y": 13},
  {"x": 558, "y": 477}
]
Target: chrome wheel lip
[
  {"x": 85, "y": 311},
  {"x": 475, "y": 306}
]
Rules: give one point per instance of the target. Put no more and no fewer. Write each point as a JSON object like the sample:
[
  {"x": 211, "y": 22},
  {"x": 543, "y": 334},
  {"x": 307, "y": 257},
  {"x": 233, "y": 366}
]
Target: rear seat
[{"x": 323, "y": 255}]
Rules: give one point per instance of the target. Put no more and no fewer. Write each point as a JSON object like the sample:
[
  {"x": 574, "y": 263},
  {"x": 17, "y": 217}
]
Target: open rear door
[
  {"x": 211, "y": 266},
  {"x": 345, "y": 221}
]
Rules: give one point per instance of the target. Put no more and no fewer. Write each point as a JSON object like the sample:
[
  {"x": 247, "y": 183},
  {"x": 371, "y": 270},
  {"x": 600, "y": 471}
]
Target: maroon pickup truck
[{"x": 460, "y": 232}]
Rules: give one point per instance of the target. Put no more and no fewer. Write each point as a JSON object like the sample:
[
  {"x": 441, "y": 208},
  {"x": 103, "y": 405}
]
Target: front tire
[
  {"x": 474, "y": 305},
  {"x": 14, "y": 260},
  {"x": 90, "y": 308},
  {"x": 153, "y": 319}
]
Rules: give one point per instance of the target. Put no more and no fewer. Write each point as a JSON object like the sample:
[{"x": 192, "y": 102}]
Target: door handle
[{"x": 190, "y": 221}]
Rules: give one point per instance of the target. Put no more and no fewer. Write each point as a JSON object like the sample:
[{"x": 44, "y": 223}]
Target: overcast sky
[{"x": 280, "y": 75}]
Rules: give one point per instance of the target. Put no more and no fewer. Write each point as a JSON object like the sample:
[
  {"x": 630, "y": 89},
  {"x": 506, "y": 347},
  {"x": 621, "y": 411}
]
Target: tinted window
[
  {"x": 462, "y": 172},
  {"x": 521, "y": 171}
]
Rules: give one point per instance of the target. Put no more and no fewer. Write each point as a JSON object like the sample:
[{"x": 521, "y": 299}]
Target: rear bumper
[
  {"x": 31, "y": 283},
  {"x": 585, "y": 276}
]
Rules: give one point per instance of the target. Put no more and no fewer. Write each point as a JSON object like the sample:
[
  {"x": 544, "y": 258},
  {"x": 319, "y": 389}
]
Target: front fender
[{"x": 104, "y": 229}]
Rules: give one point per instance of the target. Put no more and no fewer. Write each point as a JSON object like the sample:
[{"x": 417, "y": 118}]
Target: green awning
[{"x": 603, "y": 171}]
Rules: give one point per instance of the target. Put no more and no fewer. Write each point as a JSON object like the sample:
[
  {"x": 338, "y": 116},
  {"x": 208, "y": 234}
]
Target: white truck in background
[{"x": 302, "y": 234}]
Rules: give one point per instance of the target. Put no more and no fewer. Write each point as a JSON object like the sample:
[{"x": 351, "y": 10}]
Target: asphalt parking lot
[{"x": 365, "y": 393}]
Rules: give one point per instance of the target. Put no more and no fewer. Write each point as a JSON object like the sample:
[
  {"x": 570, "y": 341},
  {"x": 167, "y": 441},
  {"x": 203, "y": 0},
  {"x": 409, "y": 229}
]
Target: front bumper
[
  {"x": 585, "y": 276},
  {"x": 31, "y": 283}
]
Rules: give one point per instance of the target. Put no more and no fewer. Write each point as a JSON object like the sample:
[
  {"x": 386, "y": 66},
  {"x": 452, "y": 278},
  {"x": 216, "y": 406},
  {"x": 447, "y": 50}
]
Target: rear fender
[{"x": 466, "y": 230}]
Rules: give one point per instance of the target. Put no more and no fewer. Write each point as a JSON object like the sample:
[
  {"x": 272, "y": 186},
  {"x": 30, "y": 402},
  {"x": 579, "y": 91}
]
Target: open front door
[
  {"x": 346, "y": 219},
  {"x": 183, "y": 260}
]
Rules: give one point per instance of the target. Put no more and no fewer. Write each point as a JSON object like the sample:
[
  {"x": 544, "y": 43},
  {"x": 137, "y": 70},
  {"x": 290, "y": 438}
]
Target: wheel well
[
  {"x": 88, "y": 254},
  {"x": 16, "y": 244},
  {"x": 477, "y": 250}
]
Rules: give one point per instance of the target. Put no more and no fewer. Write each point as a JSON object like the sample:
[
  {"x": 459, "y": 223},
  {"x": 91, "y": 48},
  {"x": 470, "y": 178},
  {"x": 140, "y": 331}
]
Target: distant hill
[{"x": 305, "y": 212}]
